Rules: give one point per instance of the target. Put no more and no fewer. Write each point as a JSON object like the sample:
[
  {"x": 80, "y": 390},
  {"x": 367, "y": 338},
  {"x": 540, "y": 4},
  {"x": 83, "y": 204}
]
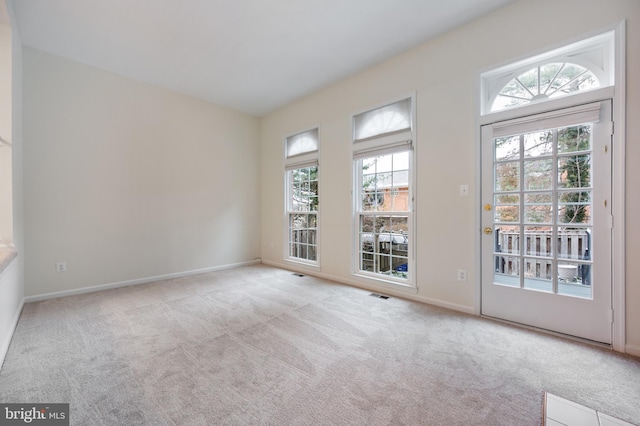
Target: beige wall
[
  {"x": 126, "y": 181},
  {"x": 444, "y": 74}
]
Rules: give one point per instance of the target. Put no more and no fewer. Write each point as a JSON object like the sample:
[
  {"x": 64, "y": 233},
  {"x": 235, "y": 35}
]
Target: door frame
[{"x": 618, "y": 94}]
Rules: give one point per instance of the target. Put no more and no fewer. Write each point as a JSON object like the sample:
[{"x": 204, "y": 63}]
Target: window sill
[
  {"x": 404, "y": 286},
  {"x": 7, "y": 254},
  {"x": 314, "y": 266}
]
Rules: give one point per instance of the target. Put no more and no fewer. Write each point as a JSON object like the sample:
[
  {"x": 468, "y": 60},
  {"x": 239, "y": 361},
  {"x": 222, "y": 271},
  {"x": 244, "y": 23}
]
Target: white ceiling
[{"x": 250, "y": 55}]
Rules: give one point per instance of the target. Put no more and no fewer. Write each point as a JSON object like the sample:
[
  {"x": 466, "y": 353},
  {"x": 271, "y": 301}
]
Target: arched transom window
[
  {"x": 543, "y": 82},
  {"x": 572, "y": 69}
]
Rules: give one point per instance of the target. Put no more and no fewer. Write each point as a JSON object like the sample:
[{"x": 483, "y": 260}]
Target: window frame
[
  {"x": 291, "y": 164},
  {"x": 384, "y": 144}
]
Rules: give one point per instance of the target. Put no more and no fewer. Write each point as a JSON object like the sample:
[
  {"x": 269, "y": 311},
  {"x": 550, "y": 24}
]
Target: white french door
[{"x": 546, "y": 221}]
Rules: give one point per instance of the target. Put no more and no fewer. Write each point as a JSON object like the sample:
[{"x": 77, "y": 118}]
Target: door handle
[{"x": 488, "y": 230}]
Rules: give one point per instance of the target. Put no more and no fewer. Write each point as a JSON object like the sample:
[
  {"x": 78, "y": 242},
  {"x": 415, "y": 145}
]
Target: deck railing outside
[{"x": 573, "y": 248}]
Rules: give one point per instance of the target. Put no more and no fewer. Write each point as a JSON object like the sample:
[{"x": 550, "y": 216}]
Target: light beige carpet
[{"x": 258, "y": 345}]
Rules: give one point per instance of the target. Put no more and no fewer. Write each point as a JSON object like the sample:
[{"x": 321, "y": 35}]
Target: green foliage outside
[{"x": 574, "y": 173}]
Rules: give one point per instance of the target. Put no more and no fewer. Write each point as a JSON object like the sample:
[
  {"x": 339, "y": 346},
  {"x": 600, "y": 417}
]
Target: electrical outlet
[
  {"x": 61, "y": 267},
  {"x": 462, "y": 275}
]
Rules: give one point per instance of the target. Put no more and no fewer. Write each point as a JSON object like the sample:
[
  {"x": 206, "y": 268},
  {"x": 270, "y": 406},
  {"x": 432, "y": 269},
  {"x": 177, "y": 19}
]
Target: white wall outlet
[
  {"x": 462, "y": 275},
  {"x": 464, "y": 190},
  {"x": 61, "y": 267}
]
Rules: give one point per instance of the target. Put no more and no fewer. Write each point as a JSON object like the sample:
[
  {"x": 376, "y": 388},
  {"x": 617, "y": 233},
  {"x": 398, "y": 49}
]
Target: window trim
[{"x": 387, "y": 143}]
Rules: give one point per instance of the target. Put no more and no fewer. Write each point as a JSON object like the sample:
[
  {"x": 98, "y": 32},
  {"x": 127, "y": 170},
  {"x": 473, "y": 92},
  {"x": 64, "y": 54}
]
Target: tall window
[
  {"x": 301, "y": 166},
  {"x": 383, "y": 158}
]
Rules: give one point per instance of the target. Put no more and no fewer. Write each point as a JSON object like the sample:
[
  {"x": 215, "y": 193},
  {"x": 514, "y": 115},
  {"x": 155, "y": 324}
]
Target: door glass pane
[
  {"x": 507, "y": 148},
  {"x": 574, "y": 171},
  {"x": 538, "y": 144},
  {"x": 538, "y": 274},
  {"x": 574, "y": 243},
  {"x": 506, "y": 260},
  {"x": 538, "y": 174},
  {"x": 507, "y": 271},
  {"x": 538, "y": 207},
  {"x": 539, "y": 241},
  {"x": 574, "y": 279},
  {"x": 507, "y": 239},
  {"x": 572, "y": 139},
  {"x": 507, "y": 176},
  {"x": 507, "y": 208},
  {"x": 574, "y": 207}
]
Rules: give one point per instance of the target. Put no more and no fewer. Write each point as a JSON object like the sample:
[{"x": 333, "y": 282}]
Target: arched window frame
[{"x": 596, "y": 54}]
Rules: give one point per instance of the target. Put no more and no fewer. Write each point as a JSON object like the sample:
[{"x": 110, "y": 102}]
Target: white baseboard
[
  {"x": 127, "y": 283},
  {"x": 633, "y": 350},
  {"x": 444, "y": 304},
  {"x": 7, "y": 340},
  {"x": 389, "y": 289}
]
